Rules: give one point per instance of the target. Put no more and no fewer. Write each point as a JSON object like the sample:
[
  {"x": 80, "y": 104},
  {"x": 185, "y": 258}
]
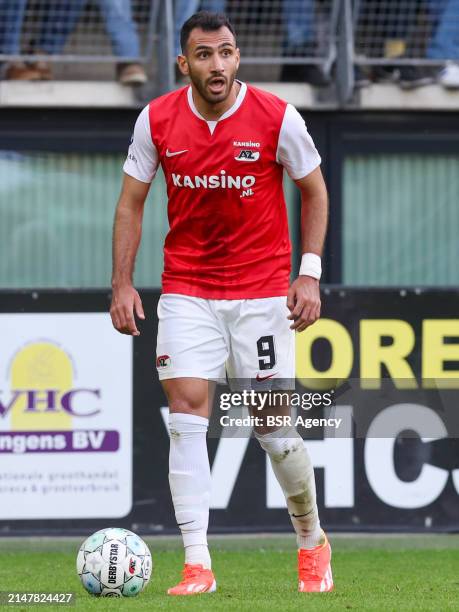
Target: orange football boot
[
  {"x": 195, "y": 580},
  {"x": 314, "y": 569}
]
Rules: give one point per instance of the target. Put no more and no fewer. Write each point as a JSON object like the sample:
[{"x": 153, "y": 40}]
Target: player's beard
[{"x": 203, "y": 87}]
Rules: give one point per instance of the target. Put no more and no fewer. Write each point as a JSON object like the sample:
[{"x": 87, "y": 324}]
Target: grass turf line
[{"x": 371, "y": 573}]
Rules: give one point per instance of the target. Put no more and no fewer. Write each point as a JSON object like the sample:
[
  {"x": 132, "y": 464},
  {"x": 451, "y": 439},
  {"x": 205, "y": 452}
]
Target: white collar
[{"x": 229, "y": 112}]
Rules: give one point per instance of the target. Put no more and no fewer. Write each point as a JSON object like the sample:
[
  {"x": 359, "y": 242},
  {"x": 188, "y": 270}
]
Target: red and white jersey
[{"x": 228, "y": 236}]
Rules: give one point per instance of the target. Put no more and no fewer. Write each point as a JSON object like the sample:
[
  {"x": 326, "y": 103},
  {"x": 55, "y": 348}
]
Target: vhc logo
[
  {"x": 162, "y": 361},
  {"x": 246, "y": 155},
  {"x": 52, "y": 401}
]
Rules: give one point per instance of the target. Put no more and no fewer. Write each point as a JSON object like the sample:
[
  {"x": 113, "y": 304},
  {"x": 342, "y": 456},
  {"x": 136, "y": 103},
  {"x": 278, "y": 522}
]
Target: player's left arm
[
  {"x": 297, "y": 153},
  {"x": 303, "y": 298}
]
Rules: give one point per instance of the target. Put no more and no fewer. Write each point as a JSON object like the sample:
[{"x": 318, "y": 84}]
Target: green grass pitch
[{"x": 416, "y": 572}]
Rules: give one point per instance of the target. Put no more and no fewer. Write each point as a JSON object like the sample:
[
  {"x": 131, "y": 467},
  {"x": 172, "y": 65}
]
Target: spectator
[
  {"x": 440, "y": 44},
  {"x": 62, "y": 19},
  {"x": 445, "y": 43},
  {"x": 440, "y": 41},
  {"x": 301, "y": 41},
  {"x": 386, "y": 29},
  {"x": 11, "y": 18}
]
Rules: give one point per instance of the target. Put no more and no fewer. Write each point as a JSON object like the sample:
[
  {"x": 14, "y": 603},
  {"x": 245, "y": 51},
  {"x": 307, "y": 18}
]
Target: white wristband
[{"x": 311, "y": 265}]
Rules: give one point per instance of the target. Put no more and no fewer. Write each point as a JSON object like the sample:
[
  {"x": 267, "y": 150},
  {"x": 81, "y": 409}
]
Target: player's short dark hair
[{"x": 207, "y": 21}]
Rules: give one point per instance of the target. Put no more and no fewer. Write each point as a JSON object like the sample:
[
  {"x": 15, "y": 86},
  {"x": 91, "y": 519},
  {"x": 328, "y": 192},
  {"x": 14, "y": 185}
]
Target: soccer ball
[{"x": 114, "y": 562}]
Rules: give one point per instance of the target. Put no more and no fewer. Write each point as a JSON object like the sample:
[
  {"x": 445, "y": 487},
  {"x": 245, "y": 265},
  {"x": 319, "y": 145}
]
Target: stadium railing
[
  {"x": 397, "y": 33},
  {"x": 329, "y": 33},
  {"x": 270, "y": 32},
  {"x": 80, "y": 25},
  {"x": 286, "y": 31},
  {"x": 76, "y": 31}
]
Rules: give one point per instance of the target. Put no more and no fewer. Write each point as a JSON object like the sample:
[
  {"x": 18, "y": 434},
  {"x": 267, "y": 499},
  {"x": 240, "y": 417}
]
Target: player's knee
[
  {"x": 281, "y": 443},
  {"x": 196, "y": 405}
]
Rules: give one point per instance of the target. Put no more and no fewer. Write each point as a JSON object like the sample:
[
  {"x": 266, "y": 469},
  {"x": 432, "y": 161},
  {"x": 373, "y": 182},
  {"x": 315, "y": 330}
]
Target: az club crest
[{"x": 246, "y": 155}]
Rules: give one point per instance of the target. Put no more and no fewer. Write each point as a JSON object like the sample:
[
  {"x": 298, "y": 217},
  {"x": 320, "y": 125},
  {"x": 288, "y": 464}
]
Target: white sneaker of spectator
[
  {"x": 131, "y": 74},
  {"x": 449, "y": 76}
]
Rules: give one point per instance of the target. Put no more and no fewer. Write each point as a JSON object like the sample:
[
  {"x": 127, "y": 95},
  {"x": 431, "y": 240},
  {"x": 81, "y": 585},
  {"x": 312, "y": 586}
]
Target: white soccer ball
[{"x": 114, "y": 562}]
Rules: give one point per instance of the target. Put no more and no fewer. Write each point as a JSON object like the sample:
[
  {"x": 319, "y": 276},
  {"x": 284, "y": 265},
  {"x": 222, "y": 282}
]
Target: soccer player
[{"x": 226, "y": 303}]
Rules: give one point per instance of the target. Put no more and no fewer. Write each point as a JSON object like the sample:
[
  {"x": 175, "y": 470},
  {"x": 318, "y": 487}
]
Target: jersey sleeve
[
  {"x": 142, "y": 159},
  {"x": 296, "y": 150}
]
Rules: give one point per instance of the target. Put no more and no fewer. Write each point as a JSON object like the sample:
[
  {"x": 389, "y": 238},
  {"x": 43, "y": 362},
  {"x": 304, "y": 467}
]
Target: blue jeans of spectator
[
  {"x": 64, "y": 14},
  {"x": 12, "y": 15},
  {"x": 298, "y": 16},
  {"x": 445, "y": 41},
  {"x": 185, "y": 8}
]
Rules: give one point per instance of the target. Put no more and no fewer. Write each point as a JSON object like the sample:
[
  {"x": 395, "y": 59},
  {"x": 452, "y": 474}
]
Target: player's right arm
[
  {"x": 127, "y": 231},
  {"x": 139, "y": 170}
]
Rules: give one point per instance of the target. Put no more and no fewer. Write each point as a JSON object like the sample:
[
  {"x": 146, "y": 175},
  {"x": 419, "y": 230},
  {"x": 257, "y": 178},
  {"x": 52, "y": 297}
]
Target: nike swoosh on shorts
[{"x": 261, "y": 378}]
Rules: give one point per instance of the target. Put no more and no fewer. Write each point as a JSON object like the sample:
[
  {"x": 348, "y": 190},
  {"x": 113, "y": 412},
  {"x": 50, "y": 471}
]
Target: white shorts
[{"x": 243, "y": 339}]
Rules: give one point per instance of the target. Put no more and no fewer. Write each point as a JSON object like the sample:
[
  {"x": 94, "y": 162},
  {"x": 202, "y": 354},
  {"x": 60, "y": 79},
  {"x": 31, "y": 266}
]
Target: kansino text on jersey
[
  {"x": 214, "y": 181},
  {"x": 279, "y": 421}
]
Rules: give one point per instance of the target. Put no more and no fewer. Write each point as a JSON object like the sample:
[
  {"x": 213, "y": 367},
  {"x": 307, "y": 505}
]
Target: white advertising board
[{"x": 65, "y": 417}]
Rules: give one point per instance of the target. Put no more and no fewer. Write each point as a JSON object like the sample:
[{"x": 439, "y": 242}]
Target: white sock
[
  {"x": 189, "y": 480},
  {"x": 294, "y": 472}
]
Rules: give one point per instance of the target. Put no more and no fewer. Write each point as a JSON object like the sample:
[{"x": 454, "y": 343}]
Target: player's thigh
[
  {"x": 262, "y": 343},
  {"x": 191, "y": 342}
]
